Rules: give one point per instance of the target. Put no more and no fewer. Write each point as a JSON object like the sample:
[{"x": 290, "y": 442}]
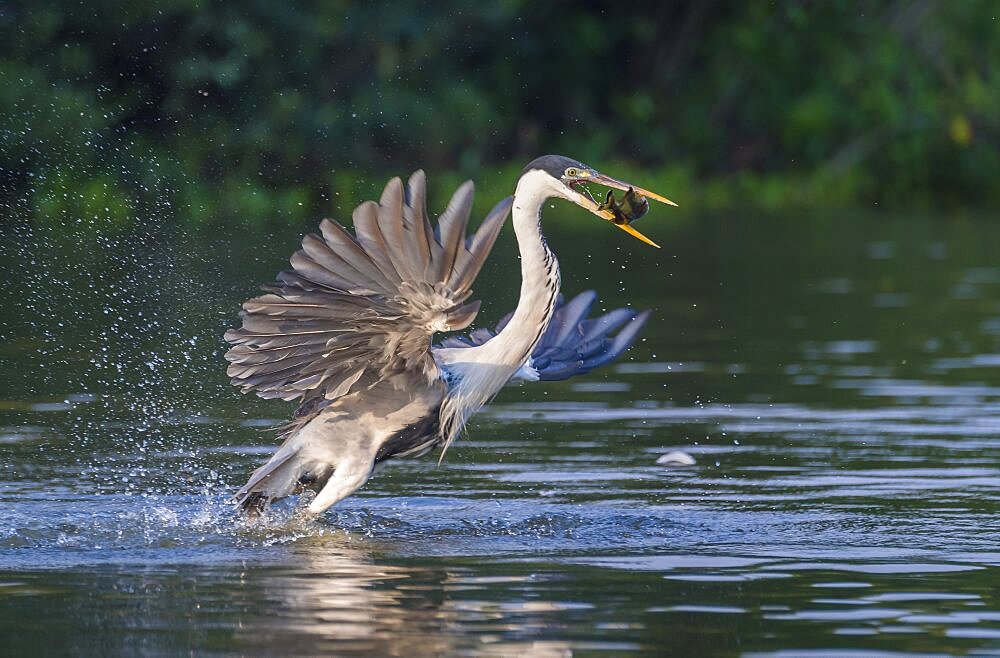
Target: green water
[{"x": 837, "y": 381}]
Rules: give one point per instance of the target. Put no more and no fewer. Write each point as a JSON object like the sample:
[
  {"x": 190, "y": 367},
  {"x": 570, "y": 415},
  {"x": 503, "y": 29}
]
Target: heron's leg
[{"x": 348, "y": 477}]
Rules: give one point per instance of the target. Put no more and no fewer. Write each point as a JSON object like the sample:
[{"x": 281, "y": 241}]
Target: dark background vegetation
[{"x": 263, "y": 112}]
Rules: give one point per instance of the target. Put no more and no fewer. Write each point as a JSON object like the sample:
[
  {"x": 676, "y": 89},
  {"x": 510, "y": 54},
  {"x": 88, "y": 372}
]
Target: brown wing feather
[
  {"x": 363, "y": 304},
  {"x": 416, "y": 222},
  {"x": 450, "y": 232},
  {"x": 369, "y": 235},
  {"x": 478, "y": 246},
  {"x": 392, "y": 225}
]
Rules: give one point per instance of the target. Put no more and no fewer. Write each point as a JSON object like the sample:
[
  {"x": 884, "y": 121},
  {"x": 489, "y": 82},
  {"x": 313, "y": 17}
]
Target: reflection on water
[
  {"x": 339, "y": 598},
  {"x": 840, "y": 399}
]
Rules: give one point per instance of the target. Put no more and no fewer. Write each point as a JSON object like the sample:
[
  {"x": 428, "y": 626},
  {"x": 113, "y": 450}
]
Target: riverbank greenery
[{"x": 259, "y": 112}]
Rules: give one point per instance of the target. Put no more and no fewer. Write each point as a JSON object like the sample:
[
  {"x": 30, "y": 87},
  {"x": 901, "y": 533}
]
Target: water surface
[{"x": 836, "y": 381}]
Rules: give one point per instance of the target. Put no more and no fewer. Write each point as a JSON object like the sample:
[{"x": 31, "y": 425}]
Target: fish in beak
[{"x": 632, "y": 206}]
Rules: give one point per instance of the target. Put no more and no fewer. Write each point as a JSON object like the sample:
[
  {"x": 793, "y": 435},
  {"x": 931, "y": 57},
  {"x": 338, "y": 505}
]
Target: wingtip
[
  {"x": 393, "y": 192},
  {"x": 641, "y": 317},
  {"x": 627, "y": 335}
]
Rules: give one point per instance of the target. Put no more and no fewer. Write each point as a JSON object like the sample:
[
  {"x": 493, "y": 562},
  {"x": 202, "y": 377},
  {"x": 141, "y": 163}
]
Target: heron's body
[
  {"x": 348, "y": 332},
  {"x": 398, "y": 417}
]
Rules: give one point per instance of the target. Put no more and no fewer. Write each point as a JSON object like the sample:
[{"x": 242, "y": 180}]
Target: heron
[{"x": 348, "y": 331}]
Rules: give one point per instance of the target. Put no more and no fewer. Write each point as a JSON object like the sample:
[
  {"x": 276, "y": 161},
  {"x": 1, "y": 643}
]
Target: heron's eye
[{"x": 572, "y": 172}]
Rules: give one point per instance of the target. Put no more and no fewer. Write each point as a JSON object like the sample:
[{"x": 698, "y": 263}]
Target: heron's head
[{"x": 566, "y": 178}]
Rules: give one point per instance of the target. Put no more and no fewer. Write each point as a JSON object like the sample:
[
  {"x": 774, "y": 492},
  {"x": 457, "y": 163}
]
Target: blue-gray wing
[{"x": 573, "y": 343}]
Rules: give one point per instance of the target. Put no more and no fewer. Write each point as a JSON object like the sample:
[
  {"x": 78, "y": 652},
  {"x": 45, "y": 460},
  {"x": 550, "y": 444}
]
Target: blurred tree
[{"x": 261, "y": 109}]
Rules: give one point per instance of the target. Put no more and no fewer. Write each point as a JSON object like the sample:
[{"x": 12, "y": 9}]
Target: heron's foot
[{"x": 253, "y": 505}]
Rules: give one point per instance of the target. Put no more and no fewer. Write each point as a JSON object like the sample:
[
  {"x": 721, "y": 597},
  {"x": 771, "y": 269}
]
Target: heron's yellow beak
[{"x": 586, "y": 201}]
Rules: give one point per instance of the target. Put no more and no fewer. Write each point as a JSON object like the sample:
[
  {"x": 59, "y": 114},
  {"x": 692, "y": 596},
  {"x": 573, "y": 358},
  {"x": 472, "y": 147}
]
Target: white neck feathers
[{"x": 480, "y": 372}]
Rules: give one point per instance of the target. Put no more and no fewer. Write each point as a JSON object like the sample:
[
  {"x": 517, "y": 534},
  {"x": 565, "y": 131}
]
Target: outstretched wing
[
  {"x": 573, "y": 343},
  {"x": 354, "y": 308}
]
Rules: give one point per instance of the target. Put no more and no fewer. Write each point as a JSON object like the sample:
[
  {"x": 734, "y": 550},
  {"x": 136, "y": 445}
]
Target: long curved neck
[
  {"x": 478, "y": 373},
  {"x": 539, "y": 274}
]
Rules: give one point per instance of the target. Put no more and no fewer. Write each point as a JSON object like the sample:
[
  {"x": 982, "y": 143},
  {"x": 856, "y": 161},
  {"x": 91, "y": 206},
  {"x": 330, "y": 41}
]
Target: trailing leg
[{"x": 348, "y": 476}]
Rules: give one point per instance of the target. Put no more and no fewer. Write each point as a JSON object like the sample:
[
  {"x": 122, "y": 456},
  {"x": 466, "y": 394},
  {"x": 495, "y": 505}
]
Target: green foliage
[{"x": 267, "y": 112}]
